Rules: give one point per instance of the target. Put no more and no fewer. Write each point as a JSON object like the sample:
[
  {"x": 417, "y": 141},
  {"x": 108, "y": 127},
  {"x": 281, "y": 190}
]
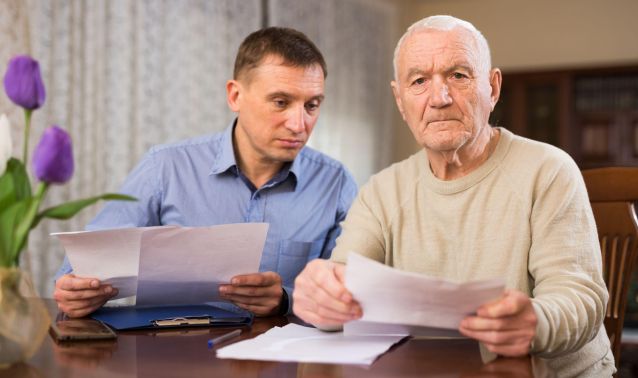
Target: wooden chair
[{"x": 613, "y": 192}]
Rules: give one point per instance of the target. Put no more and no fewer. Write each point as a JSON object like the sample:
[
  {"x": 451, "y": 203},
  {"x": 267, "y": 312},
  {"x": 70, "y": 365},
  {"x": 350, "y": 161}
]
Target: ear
[
  {"x": 496, "y": 79},
  {"x": 233, "y": 98},
  {"x": 397, "y": 98}
]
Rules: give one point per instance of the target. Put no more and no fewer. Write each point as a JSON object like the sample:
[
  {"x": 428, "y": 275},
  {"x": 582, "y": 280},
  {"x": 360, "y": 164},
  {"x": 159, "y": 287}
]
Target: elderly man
[
  {"x": 477, "y": 202},
  {"x": 258, "y": 170}
]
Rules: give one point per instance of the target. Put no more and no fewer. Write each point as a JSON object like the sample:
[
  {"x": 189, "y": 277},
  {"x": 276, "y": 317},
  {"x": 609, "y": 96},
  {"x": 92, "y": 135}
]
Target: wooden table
[{"x": 185, "y": 353}]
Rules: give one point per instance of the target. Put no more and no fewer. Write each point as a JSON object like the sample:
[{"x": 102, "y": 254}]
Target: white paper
[
  {"x": 187, "y": 265},
  {"x": 167, "y": 264},
  {"x": 111, "y": 256},
  {"x": 392, "y": 296},
  {"x": 295, "y": 343}
]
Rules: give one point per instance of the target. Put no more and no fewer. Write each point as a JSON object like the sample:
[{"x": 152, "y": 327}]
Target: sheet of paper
[
  {"x": 168, "y": 264},
  {"x": 187, "y": 265},
  {"x": 392, "y": 296},
  {"x": 295, "y": 343},
  {"x": 111, "y": 256}
]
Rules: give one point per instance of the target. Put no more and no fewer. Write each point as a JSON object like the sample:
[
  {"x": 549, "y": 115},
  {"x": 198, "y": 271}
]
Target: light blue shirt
[{"x": 197, "y": 183}]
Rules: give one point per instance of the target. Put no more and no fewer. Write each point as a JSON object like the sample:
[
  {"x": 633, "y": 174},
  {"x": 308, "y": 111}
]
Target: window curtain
[
  {"x": 357, "y": 39},
  {"x": 123, "y": 75}
]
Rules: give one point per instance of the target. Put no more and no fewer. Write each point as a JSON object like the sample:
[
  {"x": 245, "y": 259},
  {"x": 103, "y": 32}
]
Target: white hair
[{"x": 447, "y": 23}]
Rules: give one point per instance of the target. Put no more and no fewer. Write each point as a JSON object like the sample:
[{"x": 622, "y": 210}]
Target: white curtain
[
  {"x": 122, "y": 75},
  {"x": 357, "y": 38}
]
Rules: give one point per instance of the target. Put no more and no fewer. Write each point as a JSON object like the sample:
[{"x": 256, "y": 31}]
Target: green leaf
[
  {"x": 69, "y": 209},
  {"x": 9, "y": 219},
  {"x": 20, "y": 178},
  {"x": 7, "y": 190}
]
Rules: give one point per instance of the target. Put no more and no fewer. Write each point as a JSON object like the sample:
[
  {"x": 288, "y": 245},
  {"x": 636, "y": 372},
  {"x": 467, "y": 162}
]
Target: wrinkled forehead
[{"x": 427, "y": 47}]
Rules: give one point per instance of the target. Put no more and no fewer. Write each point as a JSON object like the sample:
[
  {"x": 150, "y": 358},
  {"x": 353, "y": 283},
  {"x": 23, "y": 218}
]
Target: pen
[{"x": 224, "y": 337}]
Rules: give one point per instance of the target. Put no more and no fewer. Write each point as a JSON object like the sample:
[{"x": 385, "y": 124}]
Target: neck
[
  {"x": 454, "y": 164},
  {"x": 257, "y": 169}
]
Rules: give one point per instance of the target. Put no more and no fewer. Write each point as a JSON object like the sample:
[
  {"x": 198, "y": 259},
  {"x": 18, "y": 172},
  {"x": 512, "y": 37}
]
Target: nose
[
  {"x": 295, "y": 119},
  {"x": 440, "y": 95}
]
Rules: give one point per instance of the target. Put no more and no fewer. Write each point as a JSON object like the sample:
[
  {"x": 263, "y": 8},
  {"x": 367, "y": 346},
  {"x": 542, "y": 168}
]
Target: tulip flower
[
  {"x": 5, "y": 142},
  {"x": 23, "y": 82},
  {"x": 53, "y": 157}
]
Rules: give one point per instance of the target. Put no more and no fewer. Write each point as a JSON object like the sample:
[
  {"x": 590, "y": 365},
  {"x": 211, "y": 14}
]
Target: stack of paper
[
  {"x": 397, "y": 301},
  {"x": 169, "y": 264},
  {"x": 305, "y": 344}
]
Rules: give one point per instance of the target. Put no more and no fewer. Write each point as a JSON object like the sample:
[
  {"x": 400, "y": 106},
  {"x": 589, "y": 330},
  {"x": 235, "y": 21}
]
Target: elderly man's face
[{"x": 442, "y": 92}]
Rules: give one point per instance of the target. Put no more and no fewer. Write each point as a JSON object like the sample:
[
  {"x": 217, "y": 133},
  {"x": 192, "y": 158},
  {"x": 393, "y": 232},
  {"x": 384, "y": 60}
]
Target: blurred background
[{"x": 123, "y": 75}]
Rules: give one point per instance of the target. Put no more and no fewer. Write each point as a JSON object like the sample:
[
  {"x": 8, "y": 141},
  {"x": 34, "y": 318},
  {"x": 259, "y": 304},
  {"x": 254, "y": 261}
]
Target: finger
[
  {"x": 253, "y": 300},
  {"x": 479, "y": 323},
  {"x": 322, "y": 320},
  {"x": 85, "y": 307},
  {"x": 499, "y": 337},
  {"x": 510, "y": 304},
  {"x": 330, "y": 286},
  {"x": 320, "y": 305},
  {"x": 256, "y": 279},
  {"x": 96, "y": 302},
  {"x": 71, "y": 282},
  {"x": 74, "y": 295},
  {"x": 251, "y": 291}
]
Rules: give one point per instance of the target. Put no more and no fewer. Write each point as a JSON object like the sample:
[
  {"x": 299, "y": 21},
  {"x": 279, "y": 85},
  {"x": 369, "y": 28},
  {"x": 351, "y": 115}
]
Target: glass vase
[{"x": 24, "y": 319}]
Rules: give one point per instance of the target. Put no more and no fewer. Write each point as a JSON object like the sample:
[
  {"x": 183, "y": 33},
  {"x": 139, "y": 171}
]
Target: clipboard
[{"x": 160, "y": 317}]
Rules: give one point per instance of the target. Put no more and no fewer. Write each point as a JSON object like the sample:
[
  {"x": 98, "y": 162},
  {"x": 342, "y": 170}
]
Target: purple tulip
[
  {"x": 53, "y": 157},
  {"x": 23, "y": 83}
]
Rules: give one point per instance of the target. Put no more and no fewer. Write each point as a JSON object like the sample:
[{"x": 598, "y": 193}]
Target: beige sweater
[{"x": 524, "y": 216}]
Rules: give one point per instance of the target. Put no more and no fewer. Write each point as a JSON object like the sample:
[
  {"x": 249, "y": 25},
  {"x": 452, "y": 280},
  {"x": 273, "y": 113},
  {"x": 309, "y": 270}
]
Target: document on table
[
  {"x": 397, "y": 301},
  {"x": 295, "y": 343},
  {"x": 168, "y": 264}
]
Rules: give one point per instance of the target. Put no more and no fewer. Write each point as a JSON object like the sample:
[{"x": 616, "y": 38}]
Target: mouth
[
  {"x": 441, "y": 121},
  {"x": 291, "y": 143}
]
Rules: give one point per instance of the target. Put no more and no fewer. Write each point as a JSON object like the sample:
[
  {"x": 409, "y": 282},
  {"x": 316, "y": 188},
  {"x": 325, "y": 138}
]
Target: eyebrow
[
  {"x": 287, "y": 95},
  {"x": 417, "y": 71}
]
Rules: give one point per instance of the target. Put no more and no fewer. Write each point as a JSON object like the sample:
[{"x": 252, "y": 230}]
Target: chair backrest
[{"x": 612, "y": 193}]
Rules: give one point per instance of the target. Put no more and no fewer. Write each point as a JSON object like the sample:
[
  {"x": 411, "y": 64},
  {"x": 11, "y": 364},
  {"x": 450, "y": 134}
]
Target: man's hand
[
  {"x": 259, "y": 293},
  {"x": 320, "y": 295},
  {"x": 506, "y": 326},
  {"x": 78, "y": 296}
]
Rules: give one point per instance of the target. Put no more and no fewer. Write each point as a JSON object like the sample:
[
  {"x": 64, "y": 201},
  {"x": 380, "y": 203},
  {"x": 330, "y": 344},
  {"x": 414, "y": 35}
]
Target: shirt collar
[{"x": 225, "y": 160}]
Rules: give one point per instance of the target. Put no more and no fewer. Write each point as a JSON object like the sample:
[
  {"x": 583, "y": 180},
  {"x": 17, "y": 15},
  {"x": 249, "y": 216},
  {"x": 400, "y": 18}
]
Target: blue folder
[{"x": 157, "y": 317}]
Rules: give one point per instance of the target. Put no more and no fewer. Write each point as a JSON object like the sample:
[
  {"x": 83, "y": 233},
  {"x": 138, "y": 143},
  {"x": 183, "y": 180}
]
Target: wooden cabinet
[{"x": 590, "y": 113}]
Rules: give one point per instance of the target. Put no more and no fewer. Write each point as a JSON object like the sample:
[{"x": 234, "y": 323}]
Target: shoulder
[
  {"x": 538, "y": 158},
  {"x": 312, "y": 162},
  {"x": 393, "y": 186},
  {"x": 538, "y": 166},
  {"x": 198, "y": 147}
]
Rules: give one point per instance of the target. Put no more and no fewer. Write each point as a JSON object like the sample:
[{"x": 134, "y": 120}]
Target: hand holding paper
[
  {"x": 169, "y": 264},
  {"x": 321, "y": 298},
  {"x": 506, "y": 326},
  {"x": 392, "y": 296}
]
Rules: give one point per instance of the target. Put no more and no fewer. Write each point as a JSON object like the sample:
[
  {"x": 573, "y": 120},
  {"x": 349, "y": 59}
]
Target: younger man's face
[{"x": 277, "y": 106}]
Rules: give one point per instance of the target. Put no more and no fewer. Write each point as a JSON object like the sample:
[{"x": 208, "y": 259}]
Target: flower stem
[{"x": 27, "y": 129}]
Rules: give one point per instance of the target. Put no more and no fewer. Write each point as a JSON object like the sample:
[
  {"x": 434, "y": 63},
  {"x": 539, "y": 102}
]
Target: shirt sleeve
[
  {"x": 143, "y": 183},
  {"x": 346, "y": 195},
  {"x": 363, "y": 232},
  {"x": 569, "y": 294}
]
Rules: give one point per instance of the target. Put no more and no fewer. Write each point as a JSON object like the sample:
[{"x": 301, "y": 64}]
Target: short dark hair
[{"x": 291, "y": 45}]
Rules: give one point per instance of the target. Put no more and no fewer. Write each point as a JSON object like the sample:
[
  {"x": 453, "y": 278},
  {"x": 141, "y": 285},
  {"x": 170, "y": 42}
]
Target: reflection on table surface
[{"x": 184, "y": 353}]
